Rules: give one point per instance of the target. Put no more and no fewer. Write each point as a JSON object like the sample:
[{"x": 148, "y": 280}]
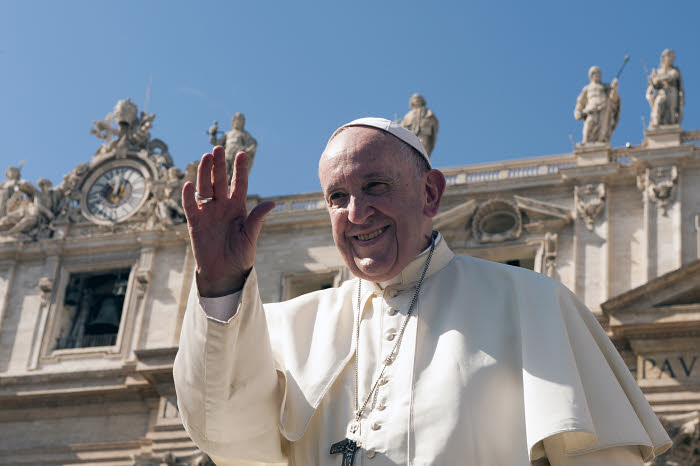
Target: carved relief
[
  {"x": 550, "y": 253},
  {"x": 660, "y": 185},
  {"x": 684, "y": 432},
  {"x": 497, "y": 220},
  {"x": 170, "y": 459},
  {"x": 590, "y": 202},
  {"x": 131, "y": 176},
  {"x": 46, "y": 287},
  {"x": 26, "y": 211}
]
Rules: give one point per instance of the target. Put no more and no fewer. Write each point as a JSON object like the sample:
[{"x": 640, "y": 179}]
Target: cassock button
[
  {"x": 383, "y": 381},
  {"x": 376, "y": 426},
  {"x": 381, "y": 407},
  {"x": 392, "y": 311},
  {"x": 390, "y": 334},
  {"x": 370, "y": 454}
]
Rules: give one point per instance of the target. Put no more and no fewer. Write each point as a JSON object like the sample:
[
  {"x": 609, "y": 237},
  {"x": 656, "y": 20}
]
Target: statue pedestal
[
  {"x": 592, "y": 153},
  {"x": 663, "y": 136}
]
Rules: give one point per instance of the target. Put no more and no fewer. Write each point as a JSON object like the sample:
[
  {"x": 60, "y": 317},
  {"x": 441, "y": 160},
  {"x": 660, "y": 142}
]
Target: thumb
[{"x": 255, "y": 219}]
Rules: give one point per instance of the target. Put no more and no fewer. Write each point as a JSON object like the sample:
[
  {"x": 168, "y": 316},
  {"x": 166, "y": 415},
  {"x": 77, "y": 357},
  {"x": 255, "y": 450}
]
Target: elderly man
[{"x": 424, "y": 358}]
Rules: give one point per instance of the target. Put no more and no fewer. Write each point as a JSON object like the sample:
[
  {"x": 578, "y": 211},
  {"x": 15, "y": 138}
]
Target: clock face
[{"x": 116, "y": 193}]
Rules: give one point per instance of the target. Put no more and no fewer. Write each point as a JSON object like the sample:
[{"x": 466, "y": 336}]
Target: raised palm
[{"x": 222, "y": 233}]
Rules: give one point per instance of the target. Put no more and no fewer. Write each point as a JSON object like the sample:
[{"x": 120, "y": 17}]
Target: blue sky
[{"x": 502, "y": 77}]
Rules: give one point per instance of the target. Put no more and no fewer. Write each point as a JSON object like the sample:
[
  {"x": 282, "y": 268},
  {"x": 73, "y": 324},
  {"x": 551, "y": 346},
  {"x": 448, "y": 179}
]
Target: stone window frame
[
  {"x": 501, "y": 252},
  {"x": 48, "y": 353},
  {"x": 336, "y": 274}
]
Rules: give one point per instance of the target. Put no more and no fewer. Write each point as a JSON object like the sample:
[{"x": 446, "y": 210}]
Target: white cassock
[{"x": 498, "y": 366}]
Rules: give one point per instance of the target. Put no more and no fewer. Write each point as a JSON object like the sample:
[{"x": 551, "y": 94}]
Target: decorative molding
[
  {"x": 46, "y": 287},
  {"x": 659, "y": 184},
  {"x": 170, "y": 459},
  {"x": 497, "y": 220},
  {"x": 684, "y": 430},
  {"x": 590, "y": 202},
  {"x": 551, "y": 242}
]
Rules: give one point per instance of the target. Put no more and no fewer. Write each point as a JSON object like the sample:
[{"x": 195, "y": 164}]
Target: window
[
  {"x": 297, "y": 284},
  {"x": 527, "y": 263},
  {"x": 92, "y": 309}
]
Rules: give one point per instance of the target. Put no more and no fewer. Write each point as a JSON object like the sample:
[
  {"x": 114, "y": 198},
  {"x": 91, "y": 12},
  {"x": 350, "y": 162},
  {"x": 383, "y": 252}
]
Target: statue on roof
[
  {"x": 598, "y": 105},
  {"x": 235, "y": 141},
  {"x": 665, "y": 93},
  {"x": 125, "y": 130},
  {"x": 422, "y": 122},
  {"x": 26, "y": 210}
]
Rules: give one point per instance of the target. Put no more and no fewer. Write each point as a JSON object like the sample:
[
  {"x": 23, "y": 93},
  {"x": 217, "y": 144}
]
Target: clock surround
[{"x": 115, "y": 191}]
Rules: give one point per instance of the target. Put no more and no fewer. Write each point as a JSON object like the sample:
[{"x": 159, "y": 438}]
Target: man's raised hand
[{"x": 222, "y": 233}]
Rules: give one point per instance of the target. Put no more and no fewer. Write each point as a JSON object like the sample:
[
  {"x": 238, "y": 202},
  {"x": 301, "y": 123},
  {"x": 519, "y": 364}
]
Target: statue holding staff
[{"x": 598, "y": 105}]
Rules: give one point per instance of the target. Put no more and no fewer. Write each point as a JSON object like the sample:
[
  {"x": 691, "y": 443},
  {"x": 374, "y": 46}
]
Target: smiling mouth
[{"x": 372, "y": 235}]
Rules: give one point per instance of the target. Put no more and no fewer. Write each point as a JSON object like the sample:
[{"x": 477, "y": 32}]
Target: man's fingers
[
  {"x": 239, "y": 182},
  {"x": 204, "y": 187},
  {"x": 255, "y": 219},
  {"x": 219, "y": 175},
  {"x": 189, "y": 204}
]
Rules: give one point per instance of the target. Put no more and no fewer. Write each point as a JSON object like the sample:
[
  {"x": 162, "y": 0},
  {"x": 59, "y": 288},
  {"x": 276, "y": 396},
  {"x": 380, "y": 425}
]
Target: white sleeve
[
  {"x": 228, "y": 391},
  {"x": 221, "y": 309},
  {"x": 614, "y": 456}
]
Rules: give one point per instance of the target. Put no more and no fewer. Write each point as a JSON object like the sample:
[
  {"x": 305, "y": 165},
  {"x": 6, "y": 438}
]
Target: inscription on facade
[{"x": 669, "y": 367}]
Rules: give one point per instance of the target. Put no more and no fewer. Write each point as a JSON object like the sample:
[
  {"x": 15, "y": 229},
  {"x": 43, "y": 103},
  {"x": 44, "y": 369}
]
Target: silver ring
[{"x": 202, "y": 199}]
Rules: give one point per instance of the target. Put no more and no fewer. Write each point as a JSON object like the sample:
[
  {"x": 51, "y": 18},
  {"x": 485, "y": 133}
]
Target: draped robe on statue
[{"x": 498, "y": 366}]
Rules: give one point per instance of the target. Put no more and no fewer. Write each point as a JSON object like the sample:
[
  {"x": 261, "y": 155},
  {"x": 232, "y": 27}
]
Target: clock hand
[{"x": 117, "y": 185}]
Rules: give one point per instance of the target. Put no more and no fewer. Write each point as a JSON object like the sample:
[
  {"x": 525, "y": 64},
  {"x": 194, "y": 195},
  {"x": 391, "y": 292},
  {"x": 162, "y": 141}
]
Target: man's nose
[{"x": 359, "y": 210}]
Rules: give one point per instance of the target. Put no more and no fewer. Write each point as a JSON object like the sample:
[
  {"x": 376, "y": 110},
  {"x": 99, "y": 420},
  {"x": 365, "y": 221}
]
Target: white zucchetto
[{"x": 392, "y": 128}]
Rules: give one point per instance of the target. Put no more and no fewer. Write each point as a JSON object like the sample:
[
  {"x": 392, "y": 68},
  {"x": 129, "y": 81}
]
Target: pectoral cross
[{"x": 348, "y": 448}]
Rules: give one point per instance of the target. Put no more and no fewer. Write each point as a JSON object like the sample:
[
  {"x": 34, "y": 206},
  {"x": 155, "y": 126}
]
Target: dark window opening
[
  {"x": 524, "y": 263},
  {"x": 92, "y": 309}
]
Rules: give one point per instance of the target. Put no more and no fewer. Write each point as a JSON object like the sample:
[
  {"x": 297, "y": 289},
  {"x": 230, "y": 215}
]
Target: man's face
[{"x": 377, "y": 202}]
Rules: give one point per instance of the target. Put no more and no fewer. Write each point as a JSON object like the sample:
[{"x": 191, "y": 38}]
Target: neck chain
[{"x": 394, "y": 351}]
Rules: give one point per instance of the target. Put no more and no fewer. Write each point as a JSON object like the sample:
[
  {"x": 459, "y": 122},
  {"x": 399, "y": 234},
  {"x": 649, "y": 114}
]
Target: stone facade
[{"x": 92, "y": 293}]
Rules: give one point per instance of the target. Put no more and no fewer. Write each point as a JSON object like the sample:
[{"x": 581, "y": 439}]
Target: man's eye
[
  {"x": 375, "y": 186},
  {"x": 336, "y": 198}
]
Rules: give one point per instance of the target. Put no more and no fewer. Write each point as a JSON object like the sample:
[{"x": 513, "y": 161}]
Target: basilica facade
[{"x": 95, "y": 274}]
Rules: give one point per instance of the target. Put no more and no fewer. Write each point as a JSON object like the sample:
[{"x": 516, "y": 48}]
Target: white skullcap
[{"x": 392, "y": 128}]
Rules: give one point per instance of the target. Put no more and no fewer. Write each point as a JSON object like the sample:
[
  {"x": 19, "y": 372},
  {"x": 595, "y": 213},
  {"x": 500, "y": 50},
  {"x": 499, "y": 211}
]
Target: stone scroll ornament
[
  {"x": 590, "y": 202},
  {"x": 665, "y": 93},
  {"x": 660, "y": 184}
]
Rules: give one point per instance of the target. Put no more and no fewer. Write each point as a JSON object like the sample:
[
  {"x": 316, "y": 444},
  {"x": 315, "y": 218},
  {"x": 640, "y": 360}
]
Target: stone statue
[
  {"x": 598, "y": 105},
  {"x": 422, "y": 122},
  {"x": 125, "y": 130},
  {"x": 665, "y": 93},
  {"x": 8, "y": 188},
  {"x": 166, "y": 200},
  {"x": 234, "y": 141}
]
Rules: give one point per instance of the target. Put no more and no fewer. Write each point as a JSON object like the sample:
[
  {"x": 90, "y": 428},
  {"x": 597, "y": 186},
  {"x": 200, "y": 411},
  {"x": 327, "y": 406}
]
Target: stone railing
[
  {"x": 297, "y": 203},
  {"x": 471, "y": 174},
  {"x": 691, "y": 138},
  {"x": 494, "y": 171}
]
